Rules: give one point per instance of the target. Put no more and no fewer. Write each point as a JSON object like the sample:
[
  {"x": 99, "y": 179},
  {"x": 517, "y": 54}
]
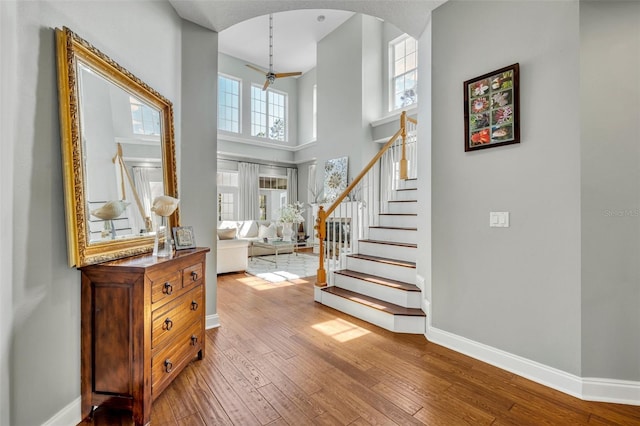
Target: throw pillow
[
  {"x": 267, "y": 231},
  {"x": 227, "y": 234},
  {"x": 248, "y": 229}
]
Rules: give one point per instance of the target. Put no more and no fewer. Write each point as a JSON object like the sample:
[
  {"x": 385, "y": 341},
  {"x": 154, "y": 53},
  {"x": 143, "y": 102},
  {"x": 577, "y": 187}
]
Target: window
[
  {"x": 404, "y": 72},
  {"x": 227, "y": 183},
  {"x": 272, "y": 189},
  {"x": 263, "y": 206},
  {"x": 268, "y": 114},
  {"x": 145, "y": 119},
  {"x": 226, "y": 206},
  {"x": 268, "y": 182},
  {"x": 228, "y": 104}
]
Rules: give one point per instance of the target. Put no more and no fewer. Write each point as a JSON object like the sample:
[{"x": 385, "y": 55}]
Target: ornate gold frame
[{"x": 70, "y": 48}]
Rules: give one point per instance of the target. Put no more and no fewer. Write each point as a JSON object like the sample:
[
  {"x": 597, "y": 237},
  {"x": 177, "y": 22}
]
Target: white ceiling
[
  {"x": 295, "y": 36},
  {"x": 243, "y": 25}
]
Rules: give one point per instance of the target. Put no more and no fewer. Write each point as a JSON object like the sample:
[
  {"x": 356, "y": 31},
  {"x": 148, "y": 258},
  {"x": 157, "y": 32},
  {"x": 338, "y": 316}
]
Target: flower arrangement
[{"x": 292, "y": 213}]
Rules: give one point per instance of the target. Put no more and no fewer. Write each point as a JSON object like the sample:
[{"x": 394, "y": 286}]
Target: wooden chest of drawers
[{"x": 143, "y": 321}]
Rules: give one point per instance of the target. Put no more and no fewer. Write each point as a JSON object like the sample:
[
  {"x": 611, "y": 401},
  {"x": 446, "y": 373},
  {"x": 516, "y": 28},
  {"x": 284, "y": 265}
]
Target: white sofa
[
  {"x": 233, "y": 253},
  {"x": 232, "y": 256}
]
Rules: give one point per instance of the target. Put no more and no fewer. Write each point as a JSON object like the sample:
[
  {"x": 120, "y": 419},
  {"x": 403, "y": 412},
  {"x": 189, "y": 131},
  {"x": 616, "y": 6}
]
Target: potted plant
[{"x": 290, "y": 214}]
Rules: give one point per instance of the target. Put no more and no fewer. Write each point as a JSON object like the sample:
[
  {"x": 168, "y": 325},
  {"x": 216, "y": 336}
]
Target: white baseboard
[
  {"x": 588, "y": 389},
  {"x": 212, "y": 321},
  {"x": 68, "y": 416}
]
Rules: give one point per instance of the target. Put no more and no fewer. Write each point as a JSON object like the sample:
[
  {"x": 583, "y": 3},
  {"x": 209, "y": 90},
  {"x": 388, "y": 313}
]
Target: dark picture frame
[
  {"x": 183, "y": 237},
  {"x": 492, "y": 109}
]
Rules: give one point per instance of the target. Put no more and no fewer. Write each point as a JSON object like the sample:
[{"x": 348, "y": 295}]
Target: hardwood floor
[{"x": 279, "y": 358}]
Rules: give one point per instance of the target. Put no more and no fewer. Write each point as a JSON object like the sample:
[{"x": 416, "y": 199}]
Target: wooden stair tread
[
  {"x": 400, "y": 285},
  {"x": 379, "y": 259},
  {"x": 395, "y": 228},
  {"x": 374, "y": 303},
  {"x": 390, "y": 243}
]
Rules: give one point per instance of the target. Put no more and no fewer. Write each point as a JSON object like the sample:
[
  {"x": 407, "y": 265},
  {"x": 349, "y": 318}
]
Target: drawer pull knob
[
  {"x": 168, "y": 288},
  {"x": 194, "y": 340},
  {"x": 194, "y": 305},
  {"x": 194, "y": 275},
  {"x": 168, "y": 365},
  {"x": 168, "y": 324}
]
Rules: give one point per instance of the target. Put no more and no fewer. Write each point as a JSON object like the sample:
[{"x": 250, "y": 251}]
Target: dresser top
[{"x": 148, "y": 260}]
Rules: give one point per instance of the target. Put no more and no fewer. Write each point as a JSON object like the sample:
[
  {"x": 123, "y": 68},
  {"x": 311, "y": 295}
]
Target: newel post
[
  {"x": 321, "y": 275},
  {"x": 403, "y": 162}
]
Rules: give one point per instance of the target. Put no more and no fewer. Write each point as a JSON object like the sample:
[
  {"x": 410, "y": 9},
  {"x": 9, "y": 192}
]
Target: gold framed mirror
[{"x": 118, "y": 154}]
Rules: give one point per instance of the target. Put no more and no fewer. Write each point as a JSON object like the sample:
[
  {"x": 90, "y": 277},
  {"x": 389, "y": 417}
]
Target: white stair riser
[
  {"x": 384, "y": 270},
  {"x": 388, "y": 251},
  {"x": 408, "y": 299},
  {"x": 395, "y": 235},
  {"x": 405, "y": 195},
  {"x": 398, "y": 324},
  {"x": 409, "y": 183},
  {"x": 399, "y": 221},
  {"x": 402, "y": 207}
]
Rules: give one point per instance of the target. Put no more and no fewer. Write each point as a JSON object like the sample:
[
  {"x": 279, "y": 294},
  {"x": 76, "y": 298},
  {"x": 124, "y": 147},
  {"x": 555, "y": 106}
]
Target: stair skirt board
[
  {"x": 396, "y": 323},
  {"x": 392, "y": 272},
  {"x": 397, "y": 296},
  {"x": 391, "y": 251}
]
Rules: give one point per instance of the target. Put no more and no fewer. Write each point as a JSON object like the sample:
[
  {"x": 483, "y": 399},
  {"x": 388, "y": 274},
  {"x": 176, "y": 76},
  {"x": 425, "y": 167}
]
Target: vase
[
  {"x": 162, "y": 243},
  {"x": 287, "y": 231}
]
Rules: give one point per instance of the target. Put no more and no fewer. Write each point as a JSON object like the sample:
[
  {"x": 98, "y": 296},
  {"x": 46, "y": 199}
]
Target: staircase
[{"x": 378, "y": 283}]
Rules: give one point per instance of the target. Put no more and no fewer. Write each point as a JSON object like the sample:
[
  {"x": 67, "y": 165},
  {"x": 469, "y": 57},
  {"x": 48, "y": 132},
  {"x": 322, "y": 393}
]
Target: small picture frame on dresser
[{"x": 183, "y": 237}]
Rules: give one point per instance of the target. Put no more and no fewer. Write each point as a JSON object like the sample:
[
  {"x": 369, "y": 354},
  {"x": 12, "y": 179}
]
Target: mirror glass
[{"x": 118, "y": 154}]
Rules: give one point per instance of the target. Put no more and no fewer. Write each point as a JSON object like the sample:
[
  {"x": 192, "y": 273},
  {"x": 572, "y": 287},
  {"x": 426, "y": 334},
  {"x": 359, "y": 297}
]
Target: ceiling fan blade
[
  {"x": 261, "y": 71},
  {"x": 266, "y": 84},
  {"x": 287, "y": 74}
]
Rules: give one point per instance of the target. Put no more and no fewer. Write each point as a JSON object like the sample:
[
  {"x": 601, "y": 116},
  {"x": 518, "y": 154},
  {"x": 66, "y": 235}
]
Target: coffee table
[{"x": 275, "y": 245}]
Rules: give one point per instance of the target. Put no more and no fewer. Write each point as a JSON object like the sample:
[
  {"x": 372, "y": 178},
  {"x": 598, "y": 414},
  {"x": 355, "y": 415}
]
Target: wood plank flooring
[{"x": 279, "y": 358}]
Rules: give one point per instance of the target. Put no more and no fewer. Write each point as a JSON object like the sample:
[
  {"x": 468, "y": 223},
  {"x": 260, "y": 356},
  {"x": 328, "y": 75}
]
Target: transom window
[
  {"x": 145, "y": 120},
  {"x": 404, "y": 67},
  {"x": 228, "y": 104},
  {"x": 268, "y": 182},
  {"x": 268, "y": 114}
]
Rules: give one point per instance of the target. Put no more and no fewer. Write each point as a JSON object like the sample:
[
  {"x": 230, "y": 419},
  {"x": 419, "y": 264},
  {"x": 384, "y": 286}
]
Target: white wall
[
  {"x": 610, "y": 156},
  {"x": 305, "y": 106},
  {"x": 41, "y": 350},
  {"x": 516, "y": 288}
]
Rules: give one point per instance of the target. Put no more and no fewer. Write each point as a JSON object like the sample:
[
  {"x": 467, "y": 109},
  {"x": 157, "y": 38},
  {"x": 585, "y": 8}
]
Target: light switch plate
[{"x": 499, "y": 219}]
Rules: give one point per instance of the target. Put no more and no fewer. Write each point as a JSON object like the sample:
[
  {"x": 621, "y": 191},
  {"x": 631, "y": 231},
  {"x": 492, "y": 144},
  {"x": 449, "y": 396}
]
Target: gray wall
[
  {"x": 517, "y": 288},
  {"x": 610, "y": 156},
  {"x": 40, "y": 355},
  {"x": 199, "y": 132}
]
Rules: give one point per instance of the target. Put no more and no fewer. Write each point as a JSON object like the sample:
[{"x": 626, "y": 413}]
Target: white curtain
[
  {"x": 292, "y": 186},
  {"x": 249, "y": 192},
  {"x": 141, "y": 180}
]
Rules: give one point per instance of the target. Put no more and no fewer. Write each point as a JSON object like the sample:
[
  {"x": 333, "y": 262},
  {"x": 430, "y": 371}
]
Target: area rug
[{"x": 288, "y": 267}]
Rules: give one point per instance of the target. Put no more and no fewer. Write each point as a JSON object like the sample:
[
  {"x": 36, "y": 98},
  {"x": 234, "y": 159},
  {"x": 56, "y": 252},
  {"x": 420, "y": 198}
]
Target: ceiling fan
[{"x": 270, "y": 75}]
